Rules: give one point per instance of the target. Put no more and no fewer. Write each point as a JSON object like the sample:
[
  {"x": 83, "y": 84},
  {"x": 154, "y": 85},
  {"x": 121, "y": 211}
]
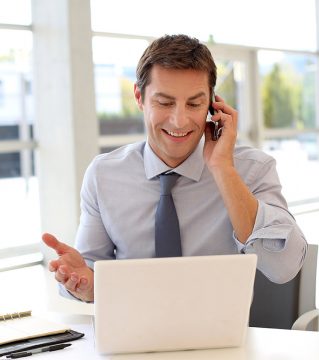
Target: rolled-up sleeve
[{"x": 276, "y": 238}]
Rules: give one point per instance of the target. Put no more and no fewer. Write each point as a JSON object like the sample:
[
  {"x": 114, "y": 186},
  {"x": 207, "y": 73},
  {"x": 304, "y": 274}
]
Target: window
[
  {"x": 231, "y": 85},
  {"x": 115, "y": 61},
  {"x": 269, "y": 76},
  {"x": 19, "y": 206},
  {"x": 291, "y": 131},
  {"x": 16, "y": 12}
]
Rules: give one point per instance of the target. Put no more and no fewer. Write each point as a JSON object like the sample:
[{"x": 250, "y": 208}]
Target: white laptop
[{"x": 168, "y": 304}]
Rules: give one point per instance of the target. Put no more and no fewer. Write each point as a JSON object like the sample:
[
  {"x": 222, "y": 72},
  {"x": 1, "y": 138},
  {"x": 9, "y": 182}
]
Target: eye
[
  {"x": 194, "y": 105},
  {"x": 166, "y": 103}
]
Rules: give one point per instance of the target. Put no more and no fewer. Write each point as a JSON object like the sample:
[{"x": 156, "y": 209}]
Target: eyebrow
[{"x": 166, "y": 96}]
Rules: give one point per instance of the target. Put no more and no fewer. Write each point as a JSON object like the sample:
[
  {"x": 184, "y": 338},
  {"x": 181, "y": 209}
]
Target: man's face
[{"x": 175, "y": 109}]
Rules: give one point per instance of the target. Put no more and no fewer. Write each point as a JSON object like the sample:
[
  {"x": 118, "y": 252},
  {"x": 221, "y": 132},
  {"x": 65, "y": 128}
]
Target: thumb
[{"x": 55, "y": 244}]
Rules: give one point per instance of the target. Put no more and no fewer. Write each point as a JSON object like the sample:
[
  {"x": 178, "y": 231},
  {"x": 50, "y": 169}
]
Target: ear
[{"x": 138, "y": 97}]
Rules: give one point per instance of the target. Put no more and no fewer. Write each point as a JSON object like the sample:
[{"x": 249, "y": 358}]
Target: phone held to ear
[{"x": 215, "y": 126}]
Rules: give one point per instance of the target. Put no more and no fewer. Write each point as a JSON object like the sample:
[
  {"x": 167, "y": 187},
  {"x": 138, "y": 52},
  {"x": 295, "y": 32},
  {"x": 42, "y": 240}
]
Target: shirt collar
[{"x": 191, "y": 168}]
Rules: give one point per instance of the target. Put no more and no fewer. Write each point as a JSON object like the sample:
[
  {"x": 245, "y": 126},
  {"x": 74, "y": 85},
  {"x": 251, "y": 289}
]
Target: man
[{"x": 228, "y": 199}]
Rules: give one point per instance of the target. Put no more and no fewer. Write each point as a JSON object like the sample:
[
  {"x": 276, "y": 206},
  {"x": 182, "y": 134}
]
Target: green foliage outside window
[
  {"x": 280, "y": 103},
  {"x": 282, "y": 99}
]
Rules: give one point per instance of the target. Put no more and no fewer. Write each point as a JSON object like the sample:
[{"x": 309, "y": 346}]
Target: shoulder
[
  {"x": 111, "y": 169},
  {"x": 131, "y": 153},
  {"x": 251, "y": 155},
  {"x": 116, "y": 163},
  {"x": 253, "y": 164}
]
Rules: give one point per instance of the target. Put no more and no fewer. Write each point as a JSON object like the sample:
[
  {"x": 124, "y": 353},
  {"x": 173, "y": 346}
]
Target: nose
[{"x": 179, "y": 118}]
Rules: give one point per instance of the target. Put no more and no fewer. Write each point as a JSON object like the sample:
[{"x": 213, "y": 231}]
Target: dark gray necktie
[{"x": 167, "y": 234}]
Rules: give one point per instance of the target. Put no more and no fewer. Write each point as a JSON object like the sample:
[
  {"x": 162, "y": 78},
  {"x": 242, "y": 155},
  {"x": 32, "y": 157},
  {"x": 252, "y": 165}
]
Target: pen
[{"x": 36, "y": 351}]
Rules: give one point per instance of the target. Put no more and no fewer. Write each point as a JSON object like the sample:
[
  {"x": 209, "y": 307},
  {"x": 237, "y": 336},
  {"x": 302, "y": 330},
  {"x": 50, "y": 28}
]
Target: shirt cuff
[{"x": 272, "y": 236}]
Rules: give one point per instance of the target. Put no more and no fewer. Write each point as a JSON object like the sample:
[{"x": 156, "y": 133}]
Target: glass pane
[
  {"x": 226, "y": 82},
  {"x": 19, "y": 210},
  {"x": 297, "y": 164},
  {"x": 15, "y": 12},
  {"x": 115, "y": 63},
  {"x": 231, "y": 77},
  {"x": 19, "y": 205},
  {"x": 288, "y": 89},
  {"x": 266, "y": 23},
  {"x": 16, "y": 109},
  {"x": 10, "y": 165}
]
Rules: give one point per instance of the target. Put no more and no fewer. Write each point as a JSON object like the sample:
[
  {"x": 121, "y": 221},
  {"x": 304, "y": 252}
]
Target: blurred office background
[{"x": 67, "y": 69}]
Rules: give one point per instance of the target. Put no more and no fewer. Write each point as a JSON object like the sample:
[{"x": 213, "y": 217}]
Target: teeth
[{"x": 177, "y": 134}]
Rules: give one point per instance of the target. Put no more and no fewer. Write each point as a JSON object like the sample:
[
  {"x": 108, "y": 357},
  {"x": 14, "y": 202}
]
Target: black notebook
[{"x": 22, "y": 331}]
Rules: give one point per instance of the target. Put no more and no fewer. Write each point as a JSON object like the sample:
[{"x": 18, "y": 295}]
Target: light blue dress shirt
[{"x": 121, "y": 190}]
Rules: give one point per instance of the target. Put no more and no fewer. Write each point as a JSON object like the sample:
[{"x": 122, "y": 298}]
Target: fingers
[
  {"x": 76, "y": 283},
  {"x": 222, "y": 107},
  {"x": 219, "y": 98},
  {"x": 79, "y": 286},
  {"x": 53, "y": 265},
  {"x": 227, "y": 115},
  {"x": 55, "y": 244},
  {"x": 72, "y": 281},
  {"x": 63, "y": 275}
]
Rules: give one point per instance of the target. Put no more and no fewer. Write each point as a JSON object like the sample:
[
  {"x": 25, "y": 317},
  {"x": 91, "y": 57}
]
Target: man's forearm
[{"x": 239, "y": 201}]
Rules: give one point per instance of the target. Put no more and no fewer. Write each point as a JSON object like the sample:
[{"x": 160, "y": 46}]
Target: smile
[{"x": 172, "y": 133}]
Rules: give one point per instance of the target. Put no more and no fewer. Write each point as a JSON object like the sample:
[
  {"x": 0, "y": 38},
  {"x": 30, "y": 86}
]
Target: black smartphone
[{"x": 215, "y": 127}]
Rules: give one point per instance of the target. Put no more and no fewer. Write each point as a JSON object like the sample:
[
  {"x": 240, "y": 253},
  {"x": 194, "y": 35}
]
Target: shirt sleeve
[
  {"x": 276, "y": 238},
  {"x": 92, "y": 239}
]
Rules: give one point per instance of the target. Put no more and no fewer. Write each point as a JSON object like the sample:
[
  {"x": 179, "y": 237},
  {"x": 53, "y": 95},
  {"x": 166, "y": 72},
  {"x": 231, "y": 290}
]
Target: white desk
[{"x": 261, "y": 344}]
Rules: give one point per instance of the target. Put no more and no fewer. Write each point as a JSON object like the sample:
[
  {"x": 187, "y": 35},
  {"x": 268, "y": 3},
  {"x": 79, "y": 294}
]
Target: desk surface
[{"x": 261, "y": 344}]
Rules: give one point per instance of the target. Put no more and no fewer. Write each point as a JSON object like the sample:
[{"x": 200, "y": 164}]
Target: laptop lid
[{"x": 166, "y": 304}]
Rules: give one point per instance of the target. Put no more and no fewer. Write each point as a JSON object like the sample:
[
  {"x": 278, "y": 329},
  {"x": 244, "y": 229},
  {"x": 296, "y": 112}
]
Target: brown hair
[{"x": 175, "y": 52}]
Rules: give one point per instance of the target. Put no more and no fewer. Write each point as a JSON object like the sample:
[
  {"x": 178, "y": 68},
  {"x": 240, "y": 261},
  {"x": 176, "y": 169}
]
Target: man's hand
[
  {"x": 220, "y": 152},
  {"x": 70, "y": 269}
]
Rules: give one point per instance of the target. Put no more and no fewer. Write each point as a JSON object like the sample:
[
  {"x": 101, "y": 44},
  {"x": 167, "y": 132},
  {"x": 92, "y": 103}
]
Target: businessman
[{"x": 227, "y": 198}]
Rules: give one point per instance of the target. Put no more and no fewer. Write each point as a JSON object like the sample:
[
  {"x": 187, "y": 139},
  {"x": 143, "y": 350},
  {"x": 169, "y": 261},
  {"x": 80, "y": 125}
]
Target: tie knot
[{"x": 167, "y": 182}]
